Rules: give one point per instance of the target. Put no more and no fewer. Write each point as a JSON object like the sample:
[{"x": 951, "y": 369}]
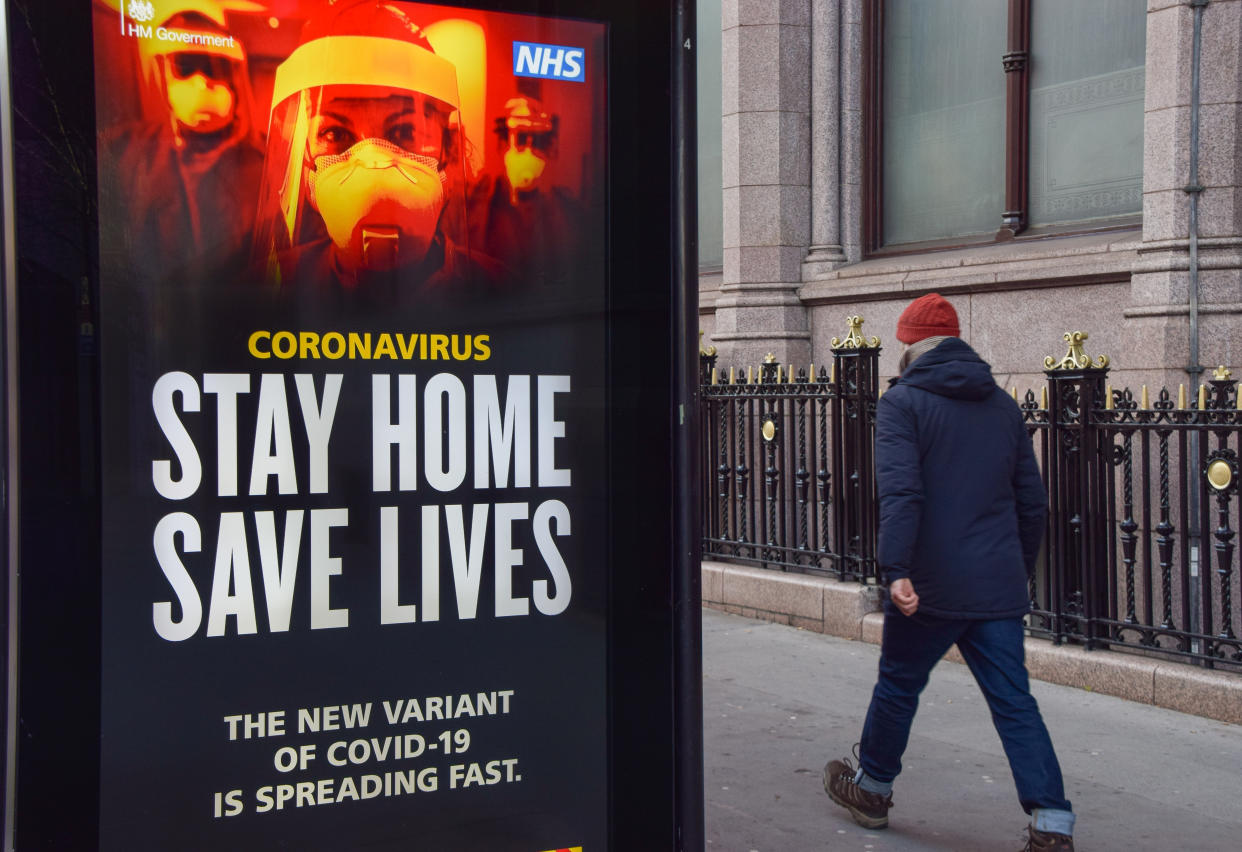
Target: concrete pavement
[
  {"x": 779, "y": 702},
  {"x": 852, "y": 611}
]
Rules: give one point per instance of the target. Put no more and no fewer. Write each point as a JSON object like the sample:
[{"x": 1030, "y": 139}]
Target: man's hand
[{"x": 903, "y": 595}]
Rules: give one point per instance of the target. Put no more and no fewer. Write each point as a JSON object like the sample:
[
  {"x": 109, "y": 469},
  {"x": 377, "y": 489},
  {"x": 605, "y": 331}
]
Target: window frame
[{"x": 1014, "y": 222}]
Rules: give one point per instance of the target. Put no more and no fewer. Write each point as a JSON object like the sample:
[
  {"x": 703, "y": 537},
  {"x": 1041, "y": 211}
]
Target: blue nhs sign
[{"x": 549, "y": 61}]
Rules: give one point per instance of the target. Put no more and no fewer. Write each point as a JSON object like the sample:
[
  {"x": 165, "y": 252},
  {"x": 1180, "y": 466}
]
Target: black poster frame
[{"x": 654, "y": 670}]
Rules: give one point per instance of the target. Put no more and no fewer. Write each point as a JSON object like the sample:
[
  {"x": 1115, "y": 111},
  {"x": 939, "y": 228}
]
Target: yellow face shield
[{"x": 366, "y": 61}]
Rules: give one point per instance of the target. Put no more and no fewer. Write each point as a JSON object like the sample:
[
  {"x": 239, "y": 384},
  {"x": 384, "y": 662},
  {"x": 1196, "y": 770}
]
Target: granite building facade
[{"x": 1047, "y": 165}]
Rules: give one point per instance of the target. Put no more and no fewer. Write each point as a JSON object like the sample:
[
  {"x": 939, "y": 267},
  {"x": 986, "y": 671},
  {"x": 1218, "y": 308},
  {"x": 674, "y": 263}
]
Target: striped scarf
[{"x": 918, "y": 350}]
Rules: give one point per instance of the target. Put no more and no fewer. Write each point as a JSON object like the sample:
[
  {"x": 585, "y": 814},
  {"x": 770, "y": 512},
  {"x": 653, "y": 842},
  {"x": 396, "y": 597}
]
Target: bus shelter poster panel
[{"x": 352, "y": 310}]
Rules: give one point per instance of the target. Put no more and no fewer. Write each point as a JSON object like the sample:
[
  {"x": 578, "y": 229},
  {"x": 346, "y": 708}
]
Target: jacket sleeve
[
  {"x": 1032, "y": 501},
  {"x": 899, "y": 478}
]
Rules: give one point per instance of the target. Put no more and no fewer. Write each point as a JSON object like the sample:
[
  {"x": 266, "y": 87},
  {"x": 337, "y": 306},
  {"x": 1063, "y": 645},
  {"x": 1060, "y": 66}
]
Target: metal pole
[
  {"x": 1194, "y": 190},
  {"x": 1194, "y": 369},
  {"x": 10, "y": 469},
  {"x": 687, "y": 532}
]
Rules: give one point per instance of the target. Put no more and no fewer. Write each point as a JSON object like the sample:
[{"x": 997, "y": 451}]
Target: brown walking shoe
[
  {"x": 1046, "y": 841},
  {"x": 870, "y": 810}
]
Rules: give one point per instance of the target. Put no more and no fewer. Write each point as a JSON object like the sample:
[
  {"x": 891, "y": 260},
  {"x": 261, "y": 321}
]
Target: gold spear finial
[
  {"x": 855, "y": 339},
  {"x": 1075, "y": 358}
]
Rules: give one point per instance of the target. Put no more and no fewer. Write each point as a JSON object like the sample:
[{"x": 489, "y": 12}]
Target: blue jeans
[{"x": 993, "y": 651}]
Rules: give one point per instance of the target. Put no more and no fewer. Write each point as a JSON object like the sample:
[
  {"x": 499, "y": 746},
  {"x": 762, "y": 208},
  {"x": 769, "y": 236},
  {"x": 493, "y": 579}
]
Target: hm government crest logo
[{"x": 141, "y": 11}]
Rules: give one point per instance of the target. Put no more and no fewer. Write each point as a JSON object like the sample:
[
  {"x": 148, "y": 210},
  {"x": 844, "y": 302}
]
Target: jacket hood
[{"x": 952, "y": 369}]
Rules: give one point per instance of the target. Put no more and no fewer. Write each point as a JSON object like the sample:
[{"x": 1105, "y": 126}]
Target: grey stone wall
[
  {"x": 766, "y": 166},
  {"x": 1157, "y": 319},
  {"x": 1014, "y": 300}
]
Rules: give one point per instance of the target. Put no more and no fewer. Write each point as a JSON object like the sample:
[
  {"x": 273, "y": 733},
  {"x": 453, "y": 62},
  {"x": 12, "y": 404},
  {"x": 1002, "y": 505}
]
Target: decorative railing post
[
  {"x": 1126, "y": 407},
  {"x": 770, "y": 423},
  {"x": 711, "y": 417},
  {"x": 1035, "y": 416},
  {"x": 1221, "y": 474},
  {"x": 802, "y": 473},
  {"x": 1078, "y": 468},
  {"x": 741, "y": 471},
  {"x": 707, "y": 362},
  {"x": 856, "y": 522},
  {"x": 825, "y": 391}
]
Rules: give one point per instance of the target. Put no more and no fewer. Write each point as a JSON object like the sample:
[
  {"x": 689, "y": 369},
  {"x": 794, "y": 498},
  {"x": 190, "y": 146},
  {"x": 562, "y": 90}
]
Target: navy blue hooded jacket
[{"x": 962, "y": 505}]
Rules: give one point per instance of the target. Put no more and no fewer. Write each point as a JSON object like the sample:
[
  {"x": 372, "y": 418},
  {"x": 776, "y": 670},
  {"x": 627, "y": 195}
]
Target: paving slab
[
  {"x": 779, "y": 702},
  {"x": 851, "y": 611}
]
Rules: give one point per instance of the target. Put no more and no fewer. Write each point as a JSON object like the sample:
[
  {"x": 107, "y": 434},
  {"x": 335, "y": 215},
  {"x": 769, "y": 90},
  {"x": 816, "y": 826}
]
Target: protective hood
[
  {"x": 201, "y": 29},
  {"x": 953, "y": 370}
]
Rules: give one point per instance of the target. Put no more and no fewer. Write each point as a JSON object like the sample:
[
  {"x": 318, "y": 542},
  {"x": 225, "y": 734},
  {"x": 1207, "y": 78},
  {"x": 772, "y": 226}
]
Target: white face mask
[
  {"x": 523, "y": 168},
  {"x": 380, "y": 203}
]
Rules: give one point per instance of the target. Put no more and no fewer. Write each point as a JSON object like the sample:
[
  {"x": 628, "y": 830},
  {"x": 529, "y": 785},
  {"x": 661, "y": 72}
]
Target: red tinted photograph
[{"x": 349, "y": 151}]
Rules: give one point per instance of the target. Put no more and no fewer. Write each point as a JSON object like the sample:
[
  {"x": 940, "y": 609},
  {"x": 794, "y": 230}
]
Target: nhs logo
[{"x": 549, "y": 61}]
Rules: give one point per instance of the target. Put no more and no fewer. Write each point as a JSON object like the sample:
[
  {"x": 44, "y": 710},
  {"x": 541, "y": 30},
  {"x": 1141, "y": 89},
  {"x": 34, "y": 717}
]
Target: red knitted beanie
[{"x": 927, "y": 316}]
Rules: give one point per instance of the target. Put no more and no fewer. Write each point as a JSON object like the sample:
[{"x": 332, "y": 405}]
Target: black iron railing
[
  {"x": 789, "y": 466},
  {"x": 1143, "y": 515},
  {"x": 1144, "y": 501}
]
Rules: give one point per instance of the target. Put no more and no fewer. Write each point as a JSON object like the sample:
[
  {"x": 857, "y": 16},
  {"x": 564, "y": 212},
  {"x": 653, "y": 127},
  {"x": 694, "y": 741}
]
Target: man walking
[{"x": 962, "y": 514}]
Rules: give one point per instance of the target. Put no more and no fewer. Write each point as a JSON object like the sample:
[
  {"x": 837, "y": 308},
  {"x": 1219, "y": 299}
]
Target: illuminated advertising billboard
[{"x": 352, "y": 300}]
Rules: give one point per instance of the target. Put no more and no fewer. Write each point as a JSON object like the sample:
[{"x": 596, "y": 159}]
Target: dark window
[
  {"x": 986, "y": 118},
  {"x": 711, "y": 197}
]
